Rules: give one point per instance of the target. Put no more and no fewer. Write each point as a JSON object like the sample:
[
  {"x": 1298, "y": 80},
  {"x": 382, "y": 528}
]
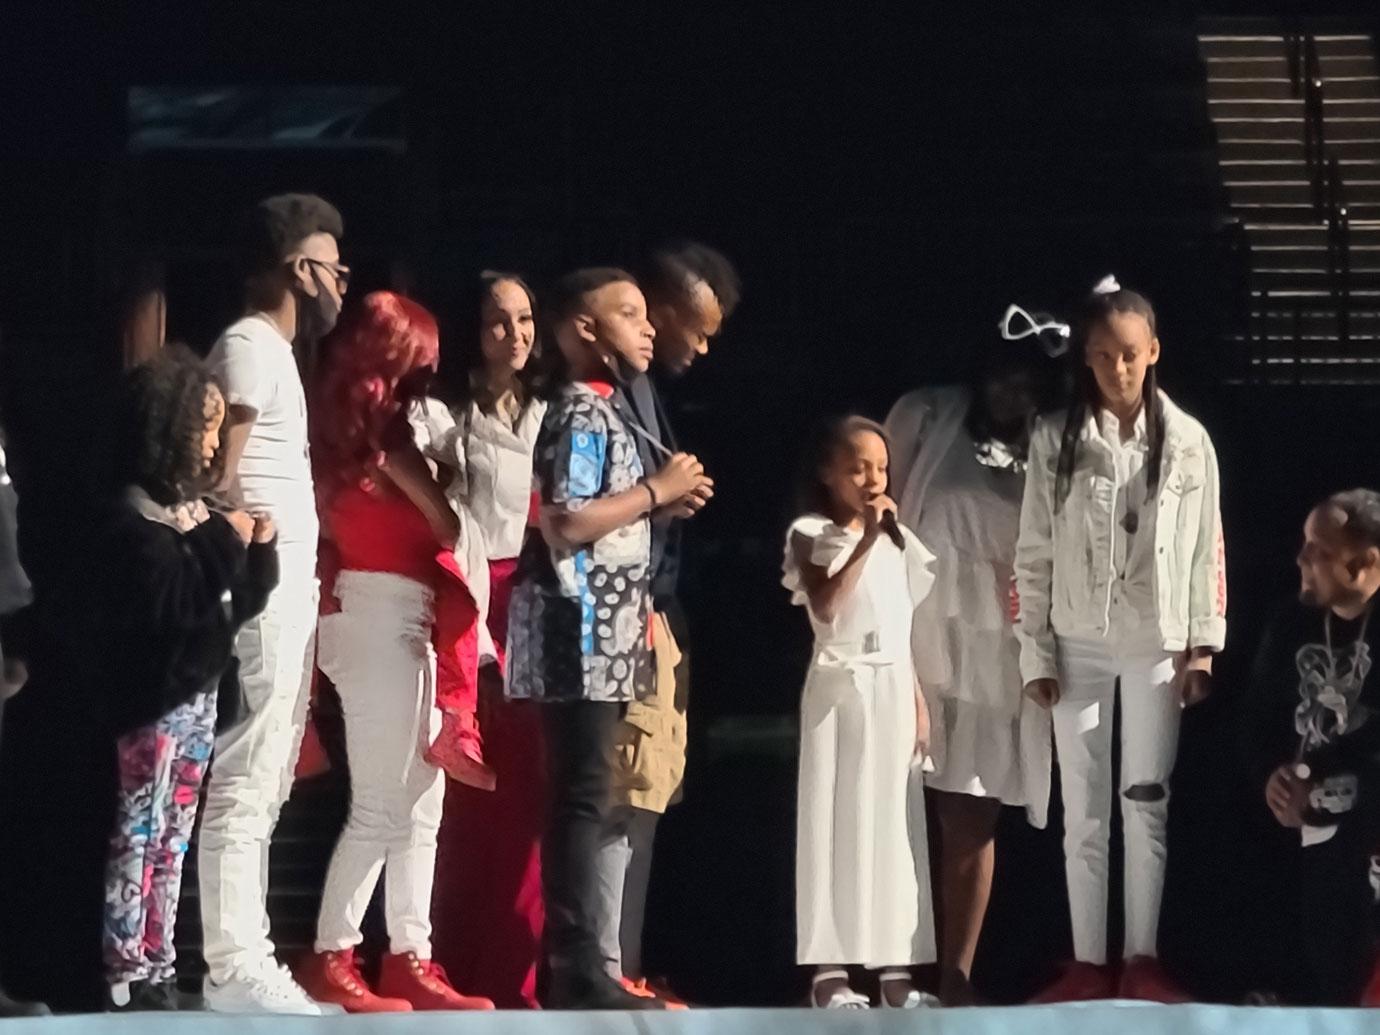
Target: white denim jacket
[{"x": 1064, "y": 558}]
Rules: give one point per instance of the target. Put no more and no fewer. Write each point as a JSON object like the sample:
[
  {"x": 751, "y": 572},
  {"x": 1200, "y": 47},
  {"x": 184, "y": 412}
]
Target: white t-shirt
[{"x": 257, "y": 367}]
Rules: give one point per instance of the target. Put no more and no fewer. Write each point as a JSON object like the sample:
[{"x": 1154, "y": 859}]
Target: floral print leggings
[{"x": 161, "y": 771}]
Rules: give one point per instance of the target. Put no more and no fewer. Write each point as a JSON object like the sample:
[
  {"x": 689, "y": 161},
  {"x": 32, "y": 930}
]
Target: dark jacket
[{"x": 141, "y": 620}]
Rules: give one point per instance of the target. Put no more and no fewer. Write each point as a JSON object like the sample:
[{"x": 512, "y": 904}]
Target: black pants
[
  {"x": 1338, "y": 909},
  {"x": 579, "y": 739}
]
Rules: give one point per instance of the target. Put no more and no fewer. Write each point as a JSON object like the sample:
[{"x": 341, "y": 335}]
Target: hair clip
[
  {"x": 1108, "y": 285},
  {"x": 1054, "y": 345}
]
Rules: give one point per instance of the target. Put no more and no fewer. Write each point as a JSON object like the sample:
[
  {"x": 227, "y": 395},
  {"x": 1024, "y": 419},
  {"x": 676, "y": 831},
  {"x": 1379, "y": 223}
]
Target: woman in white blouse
[{"x": 488, "y": 904}]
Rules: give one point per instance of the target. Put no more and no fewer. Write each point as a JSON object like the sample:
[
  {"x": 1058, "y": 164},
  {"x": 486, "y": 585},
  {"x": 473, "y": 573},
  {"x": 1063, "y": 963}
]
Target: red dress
[{"x": 487, "y": 909}]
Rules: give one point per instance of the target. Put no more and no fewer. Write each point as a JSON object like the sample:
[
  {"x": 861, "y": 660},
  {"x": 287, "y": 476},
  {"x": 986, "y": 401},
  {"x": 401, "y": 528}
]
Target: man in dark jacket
[{"x": 1314, "y": 678}]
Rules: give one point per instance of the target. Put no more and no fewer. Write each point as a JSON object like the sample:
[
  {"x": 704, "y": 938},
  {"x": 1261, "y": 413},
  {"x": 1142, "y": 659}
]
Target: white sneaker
[{"x": 271, "y": 990}]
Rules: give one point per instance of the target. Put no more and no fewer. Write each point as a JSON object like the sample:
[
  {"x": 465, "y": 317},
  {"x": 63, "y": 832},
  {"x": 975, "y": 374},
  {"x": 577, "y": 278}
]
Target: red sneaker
[
  {"x": 459, "y": 750},
  {"x": 643, "y": 990},
  {"x": 334, "y": 977},
  {"x": 1142, "y": 977},
  {"x": 424, "y": 985},
  {"x": 1080, "y": 982},
  {"x": 662, "y": 990},
  {"x": 1370, "y": 995}
]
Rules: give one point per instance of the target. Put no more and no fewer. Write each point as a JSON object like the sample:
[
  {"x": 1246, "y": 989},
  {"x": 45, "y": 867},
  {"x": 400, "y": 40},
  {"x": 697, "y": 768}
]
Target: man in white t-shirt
[{"x": 294, "y": 286}]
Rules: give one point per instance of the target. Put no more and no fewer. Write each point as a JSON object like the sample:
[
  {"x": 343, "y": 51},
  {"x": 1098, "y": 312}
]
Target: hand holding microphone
[{"x": 879, "y": 516}]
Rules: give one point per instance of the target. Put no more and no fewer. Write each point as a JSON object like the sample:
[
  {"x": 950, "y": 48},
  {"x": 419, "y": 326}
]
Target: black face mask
[{"x": 316, "y": 314}]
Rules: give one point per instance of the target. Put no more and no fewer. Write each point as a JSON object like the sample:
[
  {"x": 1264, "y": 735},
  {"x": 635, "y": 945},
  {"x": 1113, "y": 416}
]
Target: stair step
[
  {"x": 1362, "y": 150},
  {"x": 1335, "y": 109},
  {"x": 1288, "y": 170},
  {"x": 1279, "y": 324},
  {"x": 1344, "y": 45},
  {"x": 1344, "y": 129},
  {"x": 1254, "y": 89},
  {"x": 1277, "y": 65},
  {"x": 1247, "y": 193},
  {"x": 1258, "y": 212}
]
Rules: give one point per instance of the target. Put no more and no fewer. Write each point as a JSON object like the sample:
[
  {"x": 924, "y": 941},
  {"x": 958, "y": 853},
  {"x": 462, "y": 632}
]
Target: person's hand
[
  {"x": 1013, "y": 603},
  {"x": 264, "y": 528},
  {"x": 1044, "y": 692},
  {"x": 243, "y": 525},
  {"x": 874, "y": 510},
  {"x": 16, "y": 674},
  {"x": 922, "y": 726},
  {"x": 1286, "y": 794},
  {"x": 678, "y": 477},
  {"x": 1193, "y": 678},
  {"x": 690, "y": 504}
]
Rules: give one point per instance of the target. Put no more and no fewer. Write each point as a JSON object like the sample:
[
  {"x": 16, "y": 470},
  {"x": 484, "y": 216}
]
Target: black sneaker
[
  {"x": 14, "y": 1008},
  {"x": 571, "y": 989},
  {"x": 144, "y": 997}
]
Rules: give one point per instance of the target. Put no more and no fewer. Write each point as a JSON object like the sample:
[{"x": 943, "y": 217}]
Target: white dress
[
  {"x": 986, "y": 738},
  {"x": 862, "y": 865}
]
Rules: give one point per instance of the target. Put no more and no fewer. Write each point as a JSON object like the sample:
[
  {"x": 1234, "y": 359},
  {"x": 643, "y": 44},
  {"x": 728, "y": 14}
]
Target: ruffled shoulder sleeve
[
  {"x": 830, "y": 546},
  {"x": 919, "y": 567}
]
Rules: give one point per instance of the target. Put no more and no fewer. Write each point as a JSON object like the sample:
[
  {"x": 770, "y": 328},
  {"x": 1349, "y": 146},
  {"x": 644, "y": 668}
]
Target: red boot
[
  {"x": 460, "y": 752},
  {"x": 424, "y": 984},
  {"x": 1080, "y": 982},
  {"x": 1142, "y": 977},
  {"x": 334, "y": 977}
]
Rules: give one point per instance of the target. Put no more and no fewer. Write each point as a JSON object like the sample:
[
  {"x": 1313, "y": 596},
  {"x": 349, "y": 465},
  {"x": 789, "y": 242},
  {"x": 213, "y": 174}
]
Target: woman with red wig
[{"x": 398, "y": 612}]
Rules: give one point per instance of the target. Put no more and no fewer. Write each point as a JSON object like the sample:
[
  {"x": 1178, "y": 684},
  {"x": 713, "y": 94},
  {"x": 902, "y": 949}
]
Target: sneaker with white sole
[{"x": 271, "y": 990}]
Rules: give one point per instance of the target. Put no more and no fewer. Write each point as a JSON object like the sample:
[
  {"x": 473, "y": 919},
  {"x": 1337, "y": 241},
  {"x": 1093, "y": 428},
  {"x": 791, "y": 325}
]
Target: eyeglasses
[
  {"x": 341, "y": 273},
  {"x": 1018, "y": 324}
]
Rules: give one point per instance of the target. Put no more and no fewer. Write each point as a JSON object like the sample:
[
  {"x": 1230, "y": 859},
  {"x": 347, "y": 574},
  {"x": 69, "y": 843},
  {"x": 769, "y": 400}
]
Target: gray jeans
[{"x": 625, "y": 869}]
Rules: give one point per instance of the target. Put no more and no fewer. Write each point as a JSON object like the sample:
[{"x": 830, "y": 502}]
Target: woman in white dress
[
  {"x": 959, "y": 460},
  {"x": 862, "y": 866}
]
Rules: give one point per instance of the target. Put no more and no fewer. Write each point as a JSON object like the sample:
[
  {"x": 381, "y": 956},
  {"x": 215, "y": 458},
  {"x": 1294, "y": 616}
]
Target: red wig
[{"x": 379, "y": 361}]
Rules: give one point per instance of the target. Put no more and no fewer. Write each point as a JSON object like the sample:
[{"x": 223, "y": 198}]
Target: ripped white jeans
[{"x": 1089, "y": 673}]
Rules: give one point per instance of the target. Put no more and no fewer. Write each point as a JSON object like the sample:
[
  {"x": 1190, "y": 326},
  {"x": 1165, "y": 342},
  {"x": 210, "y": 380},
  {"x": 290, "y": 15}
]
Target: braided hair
[{"x": 1100, "y": 307}]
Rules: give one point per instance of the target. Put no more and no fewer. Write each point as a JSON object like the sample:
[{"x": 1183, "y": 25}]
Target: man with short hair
[
  {"x": 691, "y": 290},
  {"x": 294, "y": 286},
  {"x": 1316, "y": 662}
]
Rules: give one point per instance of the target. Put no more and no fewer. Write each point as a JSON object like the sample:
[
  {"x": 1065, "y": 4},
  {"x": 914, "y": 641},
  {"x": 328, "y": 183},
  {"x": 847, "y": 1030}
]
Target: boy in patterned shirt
[{"x": 578, "y": 627}]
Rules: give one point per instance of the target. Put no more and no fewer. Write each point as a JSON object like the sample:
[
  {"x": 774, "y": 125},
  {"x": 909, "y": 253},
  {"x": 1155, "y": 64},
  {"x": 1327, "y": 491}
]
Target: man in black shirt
[
  {"x": 691, "y": 289},
  {"x": 1317, "y": 660}
]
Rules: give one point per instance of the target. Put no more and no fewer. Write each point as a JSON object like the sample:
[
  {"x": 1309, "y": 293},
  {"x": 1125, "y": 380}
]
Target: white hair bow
[
  {"x": 1018, "y": 324},
  {"x": 1108, "y": 285}
]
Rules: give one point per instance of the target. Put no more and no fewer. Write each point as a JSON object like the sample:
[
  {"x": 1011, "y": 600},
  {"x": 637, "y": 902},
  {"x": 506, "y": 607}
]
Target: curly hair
[
  {"x": 162, "y": 424},
  {"x": 379, "y": 360},
  {"x": 673, "y": 269}
]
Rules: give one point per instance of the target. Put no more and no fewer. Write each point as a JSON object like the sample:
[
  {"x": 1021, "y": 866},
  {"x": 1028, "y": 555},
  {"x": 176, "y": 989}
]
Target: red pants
[{"x": 487, "y": 907}]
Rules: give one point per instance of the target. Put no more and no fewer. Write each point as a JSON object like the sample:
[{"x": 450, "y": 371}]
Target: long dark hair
[
  {"x": 812, "y": 495},
  {"x": 462, "y": 355},
  {"x": 1087, "y": 399}
]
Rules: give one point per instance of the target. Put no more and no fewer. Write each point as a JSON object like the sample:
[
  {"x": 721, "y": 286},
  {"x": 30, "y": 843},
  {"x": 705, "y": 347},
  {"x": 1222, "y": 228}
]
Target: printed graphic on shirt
[
  {"x": 579, "y": 619},
  {"x": 1330, "y": 683}
]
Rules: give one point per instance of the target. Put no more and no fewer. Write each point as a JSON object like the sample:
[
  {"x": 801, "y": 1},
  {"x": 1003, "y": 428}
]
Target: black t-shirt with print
[{"x": 1321, "y": 706}]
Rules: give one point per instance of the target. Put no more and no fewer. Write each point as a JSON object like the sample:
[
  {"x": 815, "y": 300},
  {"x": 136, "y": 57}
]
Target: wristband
[{"x": 651, "y": 494}]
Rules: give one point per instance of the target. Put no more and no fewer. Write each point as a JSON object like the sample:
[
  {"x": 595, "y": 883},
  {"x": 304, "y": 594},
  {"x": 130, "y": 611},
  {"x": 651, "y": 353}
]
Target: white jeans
[
  {"x": 377, "y": 651},
  {"x": 252, "y": 770},
  {"x": 1150, "y": 711}
]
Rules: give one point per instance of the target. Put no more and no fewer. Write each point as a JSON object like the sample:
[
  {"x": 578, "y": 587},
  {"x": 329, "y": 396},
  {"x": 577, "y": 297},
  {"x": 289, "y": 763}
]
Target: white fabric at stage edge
[{"x": 1089, "y": 1019}]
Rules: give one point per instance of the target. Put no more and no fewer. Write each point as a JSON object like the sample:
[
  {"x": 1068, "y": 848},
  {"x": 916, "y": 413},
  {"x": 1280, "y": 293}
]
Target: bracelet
[{"x": 651, "y": 494}]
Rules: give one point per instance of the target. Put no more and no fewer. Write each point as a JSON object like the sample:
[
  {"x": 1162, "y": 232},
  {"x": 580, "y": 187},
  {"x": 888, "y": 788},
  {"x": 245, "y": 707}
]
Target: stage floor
[{"x": 1091, "y": 1019}]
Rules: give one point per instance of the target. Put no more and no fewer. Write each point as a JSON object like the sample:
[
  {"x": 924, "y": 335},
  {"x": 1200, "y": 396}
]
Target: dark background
[{"x": 886, "y": 177}]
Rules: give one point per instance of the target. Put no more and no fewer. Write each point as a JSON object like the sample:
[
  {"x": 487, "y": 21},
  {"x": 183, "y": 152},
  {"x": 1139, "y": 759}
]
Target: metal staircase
[{"x": 1297, "y": 116}]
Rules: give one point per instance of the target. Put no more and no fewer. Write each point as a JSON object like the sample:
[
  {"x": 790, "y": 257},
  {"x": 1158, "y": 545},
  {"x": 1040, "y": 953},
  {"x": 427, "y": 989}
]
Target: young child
[
  {"x": 1119, "y": 570},
  {"x": 181, "y": 581},
  {"x": 578, "y": 637},
  {"x": 862, "y": 866}
]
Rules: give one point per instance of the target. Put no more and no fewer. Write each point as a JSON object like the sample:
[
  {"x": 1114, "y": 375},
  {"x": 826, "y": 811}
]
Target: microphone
[{"x": 892, "y": 530}]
